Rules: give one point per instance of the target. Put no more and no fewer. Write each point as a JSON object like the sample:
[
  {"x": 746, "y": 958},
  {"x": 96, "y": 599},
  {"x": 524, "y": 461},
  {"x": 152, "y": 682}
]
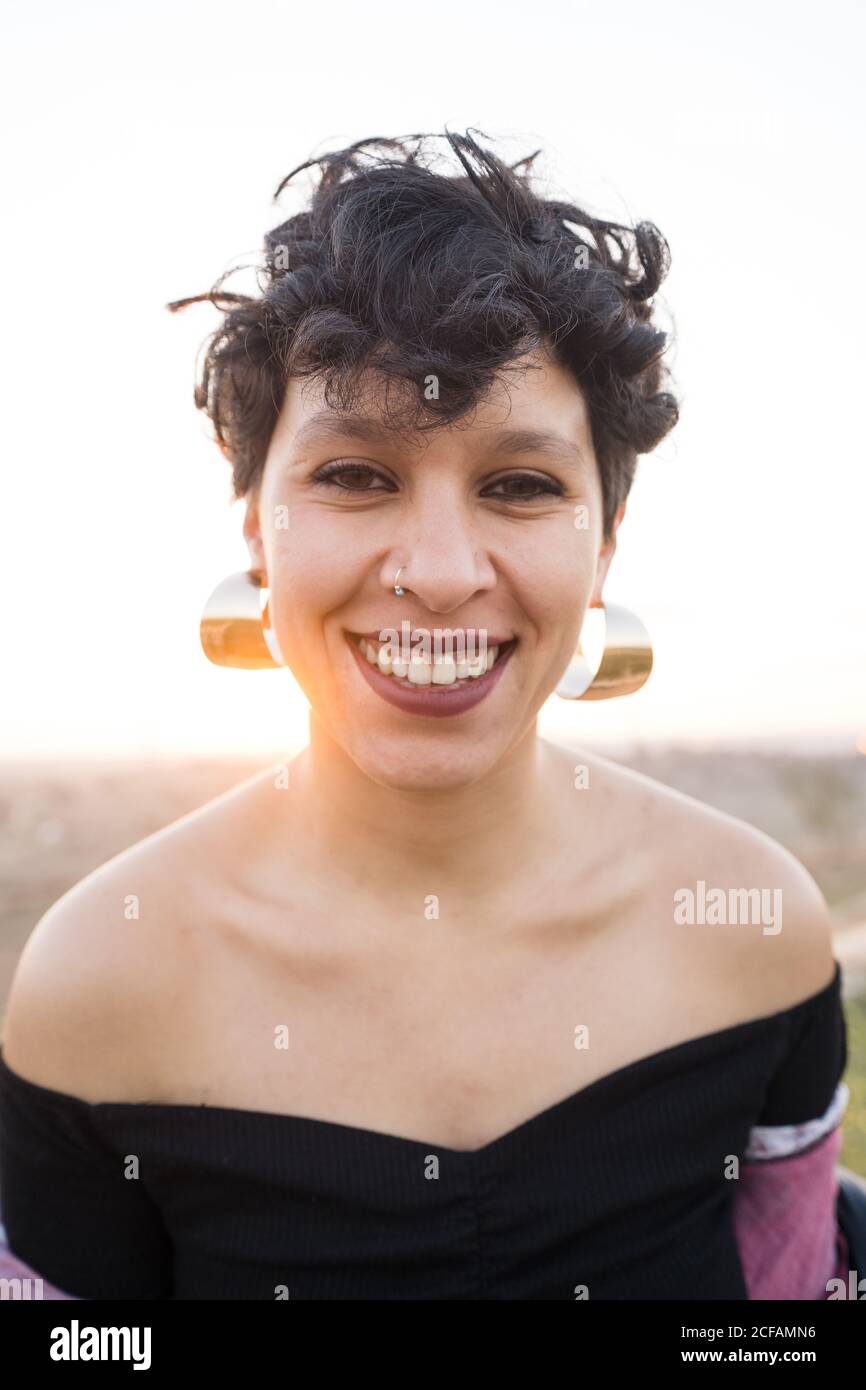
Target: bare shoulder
[
  {"x": 725, "y": 895},
  {"x": 110, "y": 969}
]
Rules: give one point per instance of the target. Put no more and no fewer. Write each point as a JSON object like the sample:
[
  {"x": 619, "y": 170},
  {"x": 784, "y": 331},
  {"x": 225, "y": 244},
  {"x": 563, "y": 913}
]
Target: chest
[{"x": 427, "y": 1039}]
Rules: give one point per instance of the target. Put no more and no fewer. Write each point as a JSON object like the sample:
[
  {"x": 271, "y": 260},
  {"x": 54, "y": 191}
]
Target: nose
[{"x": 444, "y": 560}]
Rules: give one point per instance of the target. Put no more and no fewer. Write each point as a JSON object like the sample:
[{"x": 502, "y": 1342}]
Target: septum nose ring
[{"x": 398, "y": 587}]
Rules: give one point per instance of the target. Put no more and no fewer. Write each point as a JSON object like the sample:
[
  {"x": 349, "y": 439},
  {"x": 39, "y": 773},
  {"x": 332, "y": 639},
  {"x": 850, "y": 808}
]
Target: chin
[{"x": 418, "y": 764}]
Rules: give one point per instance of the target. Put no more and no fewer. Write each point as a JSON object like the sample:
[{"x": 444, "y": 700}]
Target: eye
[
  {"x": 524, "y": 487},
  {"x": 351, "y": 477}
]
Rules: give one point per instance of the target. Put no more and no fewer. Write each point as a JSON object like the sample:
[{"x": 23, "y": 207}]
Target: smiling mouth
[
  {"x": 427, "y": 699},
  {"x": 437, "y": 676}
]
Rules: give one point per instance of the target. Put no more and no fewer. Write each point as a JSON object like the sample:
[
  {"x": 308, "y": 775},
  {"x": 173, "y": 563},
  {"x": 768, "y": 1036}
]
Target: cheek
[
  {"x": 555, "y": 587},
  {"x": 310, "y": 575}
]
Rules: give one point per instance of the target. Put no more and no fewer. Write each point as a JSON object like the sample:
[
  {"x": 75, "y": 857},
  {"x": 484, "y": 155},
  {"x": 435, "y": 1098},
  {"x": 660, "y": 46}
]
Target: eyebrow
[
  {"x": 537, "y": 442},
  {"x": 326, "y": 425}
]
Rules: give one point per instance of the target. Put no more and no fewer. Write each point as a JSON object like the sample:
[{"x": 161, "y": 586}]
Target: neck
[{"x": 484, "y": 833}]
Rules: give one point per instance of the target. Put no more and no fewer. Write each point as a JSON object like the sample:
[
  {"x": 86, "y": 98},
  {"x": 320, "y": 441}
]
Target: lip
[
  {"x": 438, "y": 703},
  {"x": 490, "y": 640}
]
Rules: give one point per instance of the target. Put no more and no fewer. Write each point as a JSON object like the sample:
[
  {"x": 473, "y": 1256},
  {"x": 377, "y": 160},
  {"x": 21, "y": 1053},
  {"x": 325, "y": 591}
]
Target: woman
[{"x": 438, "y": 1010}]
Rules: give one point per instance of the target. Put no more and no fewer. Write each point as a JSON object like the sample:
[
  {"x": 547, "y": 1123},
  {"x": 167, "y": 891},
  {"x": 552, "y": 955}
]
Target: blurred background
[{"x": 148, "y": 142}]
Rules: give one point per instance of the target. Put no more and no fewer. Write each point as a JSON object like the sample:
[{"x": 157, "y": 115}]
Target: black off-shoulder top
[{"x": 623, "y": 1190}]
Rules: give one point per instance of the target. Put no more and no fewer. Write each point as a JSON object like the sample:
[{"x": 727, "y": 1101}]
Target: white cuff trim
[{"x": 781, "y": 1141}]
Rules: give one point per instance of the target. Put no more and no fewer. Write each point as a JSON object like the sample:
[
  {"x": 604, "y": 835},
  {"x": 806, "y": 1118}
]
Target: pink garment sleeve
[{"x": 785, "y": 1208}]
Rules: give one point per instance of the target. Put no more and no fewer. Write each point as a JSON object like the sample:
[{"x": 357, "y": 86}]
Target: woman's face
[{"x": 498, "y": 526}]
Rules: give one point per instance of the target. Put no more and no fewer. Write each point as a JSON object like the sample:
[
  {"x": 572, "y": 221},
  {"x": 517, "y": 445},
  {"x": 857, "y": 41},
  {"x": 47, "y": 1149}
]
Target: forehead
[{"x": 536, "y": 406}]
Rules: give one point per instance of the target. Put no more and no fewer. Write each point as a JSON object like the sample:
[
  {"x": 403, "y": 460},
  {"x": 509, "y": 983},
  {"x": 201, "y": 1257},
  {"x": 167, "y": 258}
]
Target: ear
[
  {"x": 253, "y": 534},
  {"x": 605, "y": 555}
]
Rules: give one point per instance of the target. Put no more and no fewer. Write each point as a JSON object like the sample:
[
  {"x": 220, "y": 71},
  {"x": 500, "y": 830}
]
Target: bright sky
[{"x": 144, "y": 145}]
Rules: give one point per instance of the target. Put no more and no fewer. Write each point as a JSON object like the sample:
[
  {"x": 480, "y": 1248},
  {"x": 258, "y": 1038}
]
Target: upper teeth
[{"x": 440, "y": 671}]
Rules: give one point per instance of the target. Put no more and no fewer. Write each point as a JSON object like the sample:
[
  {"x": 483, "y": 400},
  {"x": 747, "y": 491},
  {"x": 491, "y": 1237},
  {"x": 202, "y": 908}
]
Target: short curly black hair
[{"x": 421, "y": 273}]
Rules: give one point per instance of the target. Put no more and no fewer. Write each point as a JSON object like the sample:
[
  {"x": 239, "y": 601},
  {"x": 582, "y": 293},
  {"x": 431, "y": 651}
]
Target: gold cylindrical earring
[
  {"x": 235, "y": 628},
  {"x": 614, "y": 656}
]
